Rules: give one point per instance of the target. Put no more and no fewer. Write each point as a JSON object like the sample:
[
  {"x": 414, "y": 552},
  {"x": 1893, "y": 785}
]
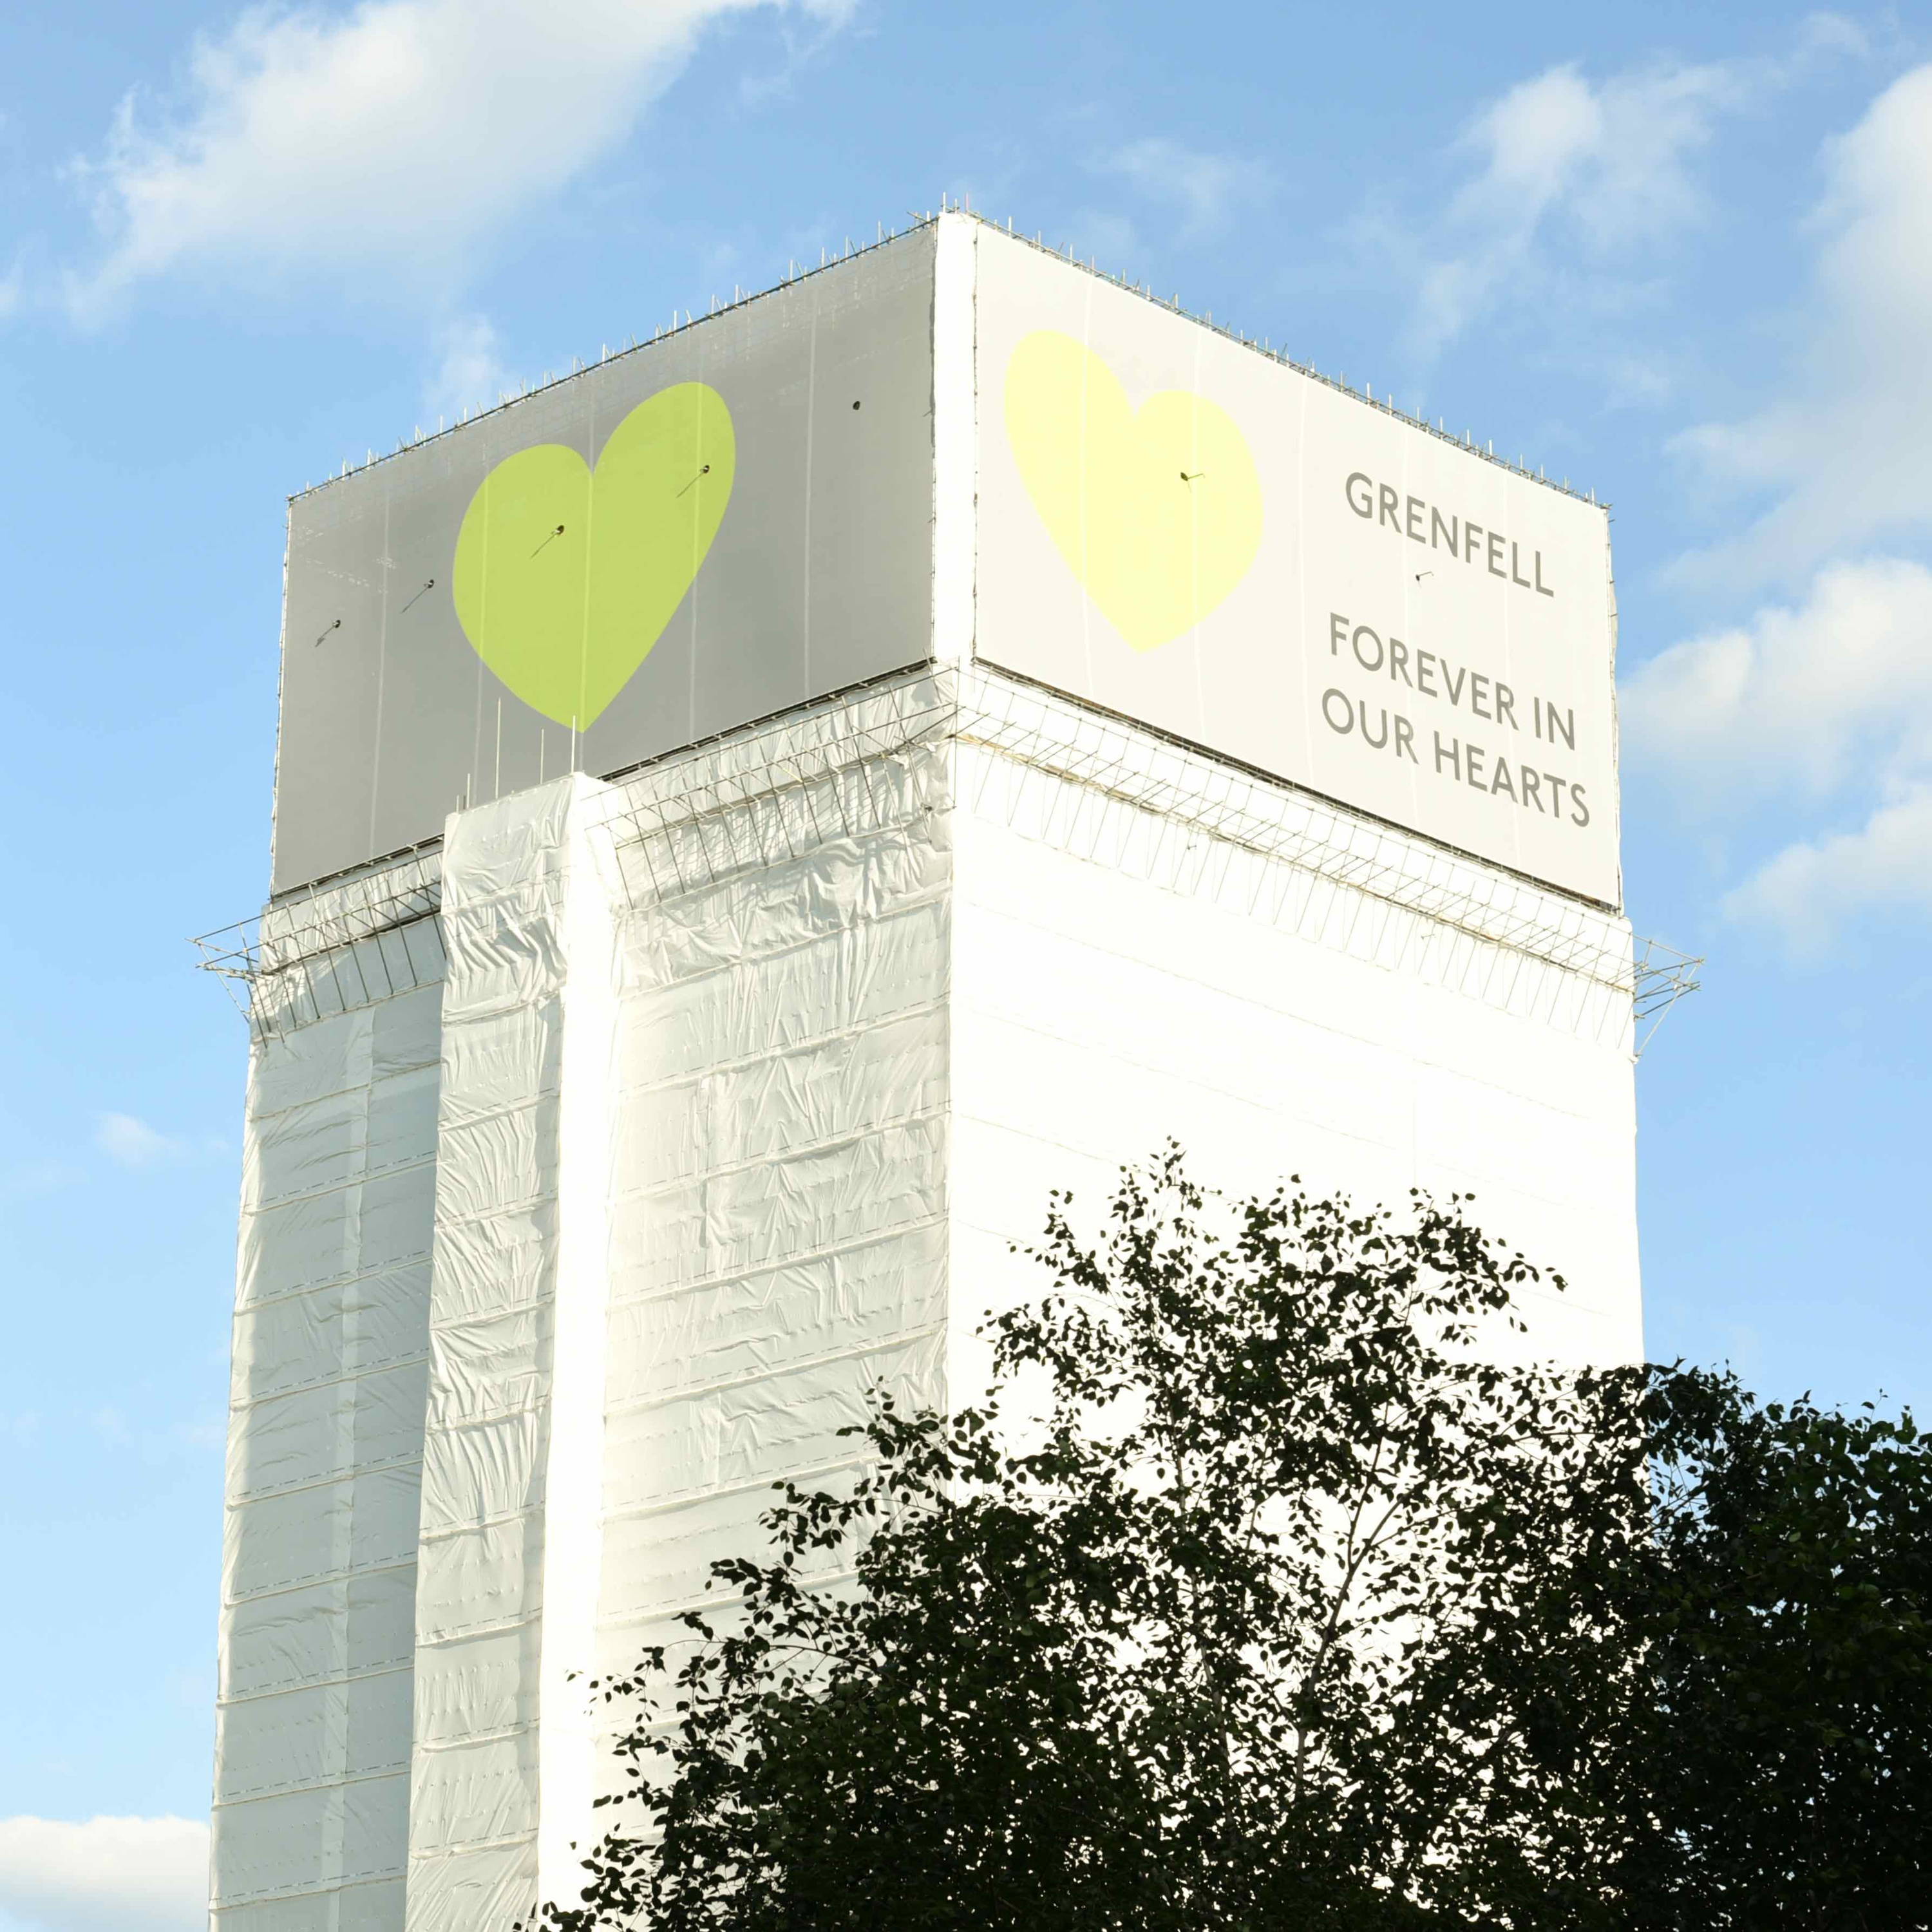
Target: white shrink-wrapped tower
[{"x": 751, "y": 817}]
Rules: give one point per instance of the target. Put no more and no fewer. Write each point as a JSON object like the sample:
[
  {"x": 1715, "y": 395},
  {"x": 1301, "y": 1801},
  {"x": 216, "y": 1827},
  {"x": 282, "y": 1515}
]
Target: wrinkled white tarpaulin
[{"x": 598, "y": 1165}]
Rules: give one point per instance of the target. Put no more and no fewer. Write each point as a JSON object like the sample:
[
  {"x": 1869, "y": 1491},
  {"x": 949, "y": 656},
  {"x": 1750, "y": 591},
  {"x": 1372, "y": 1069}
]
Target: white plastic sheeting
[
  {"x": 745, "y": 1074},
  {"x": 514, "y": 1437},
  {"x": 1271, "y": 1025},
  {"x": 778, "y": 1224},
  {"x": 325, "y": 1451}
]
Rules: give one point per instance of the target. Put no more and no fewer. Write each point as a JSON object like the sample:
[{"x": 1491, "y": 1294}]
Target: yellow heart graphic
[
  {"x": 566, "y": 578},
  {"x": 1157, "y": 513}
]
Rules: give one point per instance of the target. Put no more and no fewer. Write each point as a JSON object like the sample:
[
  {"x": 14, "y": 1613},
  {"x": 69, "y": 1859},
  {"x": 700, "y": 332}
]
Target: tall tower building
[{"x": 750, "y": 817}]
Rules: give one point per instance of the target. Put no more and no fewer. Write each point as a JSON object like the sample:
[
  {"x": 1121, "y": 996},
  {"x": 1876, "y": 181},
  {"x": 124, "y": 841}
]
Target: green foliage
[
  {"x": 1786, "y": 1621},
  {"x": 1290, "y": 1606}
]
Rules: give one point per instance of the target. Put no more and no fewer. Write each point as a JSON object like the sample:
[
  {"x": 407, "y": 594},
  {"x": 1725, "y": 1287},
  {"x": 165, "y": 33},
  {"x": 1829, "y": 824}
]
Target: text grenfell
[{"x": 1462, "y": 538}]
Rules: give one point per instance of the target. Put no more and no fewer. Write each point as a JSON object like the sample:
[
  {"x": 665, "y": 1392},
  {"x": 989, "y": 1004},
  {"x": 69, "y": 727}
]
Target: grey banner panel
[{"x": 745, "y": 524}]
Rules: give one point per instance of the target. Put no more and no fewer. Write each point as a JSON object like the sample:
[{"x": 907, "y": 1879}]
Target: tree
[
  {"x": 1294, "y": 1606},
  {"x": 1290, "y": 1612},
  {"x": 1785, "y": 1620}
]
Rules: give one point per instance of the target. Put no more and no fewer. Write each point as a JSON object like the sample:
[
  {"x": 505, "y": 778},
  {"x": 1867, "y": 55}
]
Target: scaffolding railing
[
  {"x": 751, "y": 797},
  {"x": 756, "y": 796},
  {"x": 1189, "y": 790},
  {"x": 848, "y": 764},
  {"x": 1660, "y": 977},
  {"x": 334, "y": 947}
]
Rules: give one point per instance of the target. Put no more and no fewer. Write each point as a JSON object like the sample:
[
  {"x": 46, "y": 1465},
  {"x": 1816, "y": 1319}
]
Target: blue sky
[{"x": 1681, "y": 256}]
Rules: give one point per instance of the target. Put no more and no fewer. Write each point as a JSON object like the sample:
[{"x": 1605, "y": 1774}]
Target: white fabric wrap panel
[
  {"x": 778, "y": 1243},
  {"x": 745, "y": 1076},
  {"x": 690, "y": 1209},
  {"x": 511, "y": 1456},
  {"x": 548, "y": 1273},
  {"x": 311, "y": 1798}
]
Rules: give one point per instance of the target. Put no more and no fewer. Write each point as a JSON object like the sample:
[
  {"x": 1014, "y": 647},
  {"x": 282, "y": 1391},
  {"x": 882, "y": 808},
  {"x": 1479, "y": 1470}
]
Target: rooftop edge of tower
[{"x": 920, "y": 223}]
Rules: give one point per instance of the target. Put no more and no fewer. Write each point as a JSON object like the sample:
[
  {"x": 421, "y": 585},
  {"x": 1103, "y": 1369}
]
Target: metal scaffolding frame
[
  {"x": 836, "y": 768},
  {"x": 333, "y": 947},
  {"x": 772, "y": 791}
]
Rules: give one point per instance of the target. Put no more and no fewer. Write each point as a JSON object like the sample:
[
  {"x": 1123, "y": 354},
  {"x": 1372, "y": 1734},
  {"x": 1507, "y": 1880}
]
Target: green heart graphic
[
  {"x": 566, "y": 578},
  {"x": 1158, "y": 513}
]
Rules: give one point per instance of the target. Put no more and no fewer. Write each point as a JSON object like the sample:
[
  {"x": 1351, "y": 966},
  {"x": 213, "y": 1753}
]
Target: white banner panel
[{"x": 1180, "y": 528}]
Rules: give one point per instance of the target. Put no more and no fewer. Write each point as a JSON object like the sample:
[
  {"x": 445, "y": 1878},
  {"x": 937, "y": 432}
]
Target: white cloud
[
  {"x": 1829, "y": 702},
  {"x": 1811, "y": 889},
  {"x": 469, "y": 374},
  {"x": 133, "y": 1142},
  {"x": 1806, "y": 697},
  {"x": 382, "y": 146},
  {"x": 1825, "y": 701},
  {"x": 212, "y": 1434},
  {"x": 106, "y": 1875},
  {"x": 1111, "y": 241},
  {"x": 1609, "y": 160},
  {"x": 1605, "y": 167},
  {"x": 1206, "y": 191},
  {"x": 29, "y": 1179},
  {"x": 111, "y": 1426},
  {"x": 1847, "y": 447}
]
